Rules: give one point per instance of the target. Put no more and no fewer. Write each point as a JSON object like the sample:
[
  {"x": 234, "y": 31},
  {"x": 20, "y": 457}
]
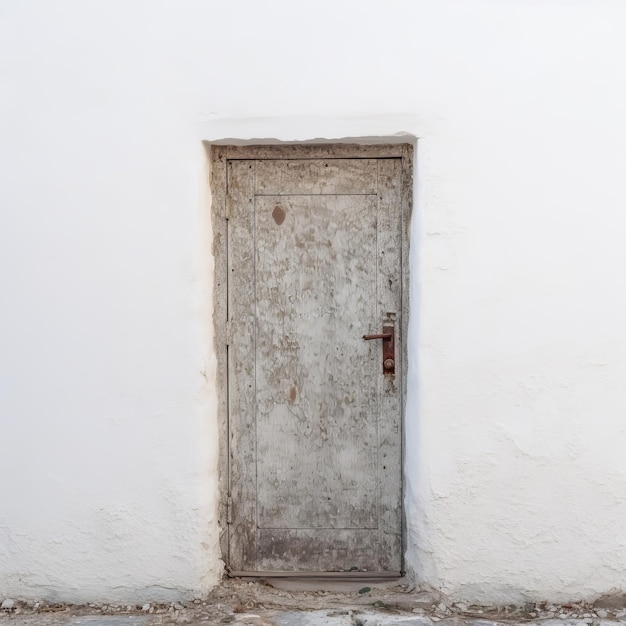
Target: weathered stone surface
[
  {"x": 611, "y": 601},
  {"x": 313, "y": 618},
  {"x": 239, "y": 601},
  {"x": 392, "y": 620},
  {"x": 107, "y": 621}
]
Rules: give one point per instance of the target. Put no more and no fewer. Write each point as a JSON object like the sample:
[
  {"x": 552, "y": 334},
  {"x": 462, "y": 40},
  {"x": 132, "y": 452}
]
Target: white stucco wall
[{"x": 515, "y": 471}]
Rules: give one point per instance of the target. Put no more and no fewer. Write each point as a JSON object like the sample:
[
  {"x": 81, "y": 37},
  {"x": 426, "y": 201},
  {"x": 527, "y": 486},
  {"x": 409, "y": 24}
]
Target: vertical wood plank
[
  {"x": 389, "y": 294},
  {"x": 241, "y": 364},
  {"x": 406, "y": 200},
  {"x": 218, "y": 223}
]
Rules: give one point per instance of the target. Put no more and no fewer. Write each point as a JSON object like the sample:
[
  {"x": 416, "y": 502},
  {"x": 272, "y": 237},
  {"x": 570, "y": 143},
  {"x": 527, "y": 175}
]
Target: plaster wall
[{"x": 515, "y": 471}]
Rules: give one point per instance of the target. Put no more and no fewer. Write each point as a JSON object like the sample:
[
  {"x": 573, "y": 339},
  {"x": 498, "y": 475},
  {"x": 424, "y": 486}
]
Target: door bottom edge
[{"x": 334, "y": 575}]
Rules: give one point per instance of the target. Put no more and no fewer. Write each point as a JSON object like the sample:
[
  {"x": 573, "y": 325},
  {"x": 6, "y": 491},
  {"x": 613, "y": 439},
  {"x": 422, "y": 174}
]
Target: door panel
[
  {"x": 309, "y": 352},
  {"x": 318, "y": 550},
  {"x": 316, "y": 176},
  {"x": 314, "y": 263}
]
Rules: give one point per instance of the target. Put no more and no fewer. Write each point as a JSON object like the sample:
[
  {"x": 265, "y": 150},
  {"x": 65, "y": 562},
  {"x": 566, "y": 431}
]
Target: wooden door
[{"x": 314, "y": 263}]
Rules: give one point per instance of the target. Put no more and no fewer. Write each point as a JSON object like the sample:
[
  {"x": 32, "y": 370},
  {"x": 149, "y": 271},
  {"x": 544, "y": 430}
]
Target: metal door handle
[{"x": 389, "y": 352}]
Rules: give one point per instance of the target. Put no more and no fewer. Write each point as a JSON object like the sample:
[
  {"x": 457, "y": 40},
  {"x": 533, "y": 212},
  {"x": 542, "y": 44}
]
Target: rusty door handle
[{"x": 389, "y": 352}]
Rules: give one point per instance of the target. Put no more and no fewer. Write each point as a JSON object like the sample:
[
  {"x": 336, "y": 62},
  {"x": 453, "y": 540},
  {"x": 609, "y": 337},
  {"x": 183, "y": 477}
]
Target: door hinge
[
  {"x": 227, "y": 204},
  {"x": 229, "y": 510}
]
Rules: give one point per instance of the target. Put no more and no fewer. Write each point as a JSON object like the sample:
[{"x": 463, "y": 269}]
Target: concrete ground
[{"x": 314, "y": 603}]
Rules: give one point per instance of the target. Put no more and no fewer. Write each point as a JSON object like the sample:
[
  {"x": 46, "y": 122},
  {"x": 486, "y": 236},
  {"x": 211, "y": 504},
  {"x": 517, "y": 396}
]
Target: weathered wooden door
[{"x": 314, "y": 263}]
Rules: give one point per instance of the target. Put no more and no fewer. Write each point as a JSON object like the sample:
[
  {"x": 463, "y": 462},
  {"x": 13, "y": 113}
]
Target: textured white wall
[{"x": 516, "y": 477}]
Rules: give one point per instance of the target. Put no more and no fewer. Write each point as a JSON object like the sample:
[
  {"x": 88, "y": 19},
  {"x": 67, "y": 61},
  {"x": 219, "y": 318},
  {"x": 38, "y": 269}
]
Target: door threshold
[{"x": 346, "y": 582}]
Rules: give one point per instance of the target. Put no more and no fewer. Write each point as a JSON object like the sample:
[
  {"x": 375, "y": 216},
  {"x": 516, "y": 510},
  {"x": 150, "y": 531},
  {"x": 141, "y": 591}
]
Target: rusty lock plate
[{"x": 389, "y": 350}]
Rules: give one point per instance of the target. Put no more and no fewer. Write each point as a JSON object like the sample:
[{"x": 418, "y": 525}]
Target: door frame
[{"x": 219, "y": 156}]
